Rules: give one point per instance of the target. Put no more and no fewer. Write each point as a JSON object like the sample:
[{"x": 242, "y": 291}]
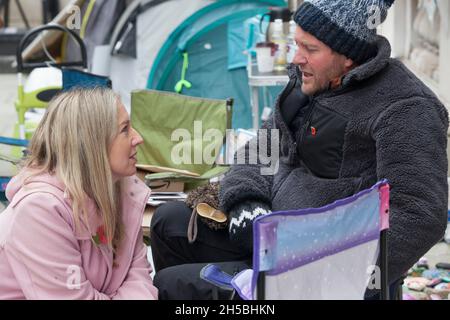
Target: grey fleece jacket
[{"x": 395, "y": 128}]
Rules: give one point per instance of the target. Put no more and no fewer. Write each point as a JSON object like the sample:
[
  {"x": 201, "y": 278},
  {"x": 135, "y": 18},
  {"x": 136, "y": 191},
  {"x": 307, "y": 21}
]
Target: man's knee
[
  {"x": 178, "y": 282},
  {"x": 174, "y": 213},
  {"x": 183, "y": 282}
]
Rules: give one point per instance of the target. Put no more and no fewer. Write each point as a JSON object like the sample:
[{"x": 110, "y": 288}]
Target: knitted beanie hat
[{"x": 346, "y": 26}]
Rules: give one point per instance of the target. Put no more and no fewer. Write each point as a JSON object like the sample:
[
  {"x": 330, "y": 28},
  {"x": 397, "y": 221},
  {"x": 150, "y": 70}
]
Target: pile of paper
[{"x": 158, "y": 198}]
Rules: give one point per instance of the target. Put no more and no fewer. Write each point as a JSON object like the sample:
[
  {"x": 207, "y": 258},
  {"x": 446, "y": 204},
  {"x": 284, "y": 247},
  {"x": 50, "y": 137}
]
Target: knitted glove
[{"x": 241, "y": 222}]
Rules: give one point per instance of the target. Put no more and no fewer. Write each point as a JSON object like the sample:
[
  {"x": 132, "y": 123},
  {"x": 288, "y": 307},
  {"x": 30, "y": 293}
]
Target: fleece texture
[{"x": 396, "y": 130}]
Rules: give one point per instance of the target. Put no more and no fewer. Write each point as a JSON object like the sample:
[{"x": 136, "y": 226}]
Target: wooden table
[{"x": 148, "y": 214}]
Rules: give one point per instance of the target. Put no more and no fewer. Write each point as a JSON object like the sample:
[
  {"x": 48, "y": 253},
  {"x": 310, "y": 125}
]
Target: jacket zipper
[
  {"x": 290, "y": 86},
  {"x": 304, "y": 128},
  {"x": 135, "y": 234}
]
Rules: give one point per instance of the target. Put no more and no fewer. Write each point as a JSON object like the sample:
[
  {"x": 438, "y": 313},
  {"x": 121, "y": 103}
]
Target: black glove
[{"x": 241, "y": 222}]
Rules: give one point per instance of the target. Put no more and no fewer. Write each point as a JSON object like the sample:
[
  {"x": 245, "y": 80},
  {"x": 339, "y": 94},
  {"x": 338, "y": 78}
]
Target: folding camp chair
[
  {"x": 175, "y": 125},
  {"x": 4, "y": 180},
  {"x": 44, "y": 90},
  {"x": 321, "y": 253},
  {"x": 73, "y": 78},
  {"x": 44, "y": 81}
]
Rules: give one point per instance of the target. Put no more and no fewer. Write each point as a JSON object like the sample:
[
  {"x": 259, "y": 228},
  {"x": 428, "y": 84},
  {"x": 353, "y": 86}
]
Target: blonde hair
[{"x": 73, "y": 141}]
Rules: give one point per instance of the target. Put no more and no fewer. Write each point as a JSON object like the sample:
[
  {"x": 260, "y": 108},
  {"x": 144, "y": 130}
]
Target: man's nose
[{"x": 299, "y": 57}]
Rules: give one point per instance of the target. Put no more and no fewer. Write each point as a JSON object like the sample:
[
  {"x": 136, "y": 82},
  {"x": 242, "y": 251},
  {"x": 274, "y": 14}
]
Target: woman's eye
[{"x": 125, "y": 129}]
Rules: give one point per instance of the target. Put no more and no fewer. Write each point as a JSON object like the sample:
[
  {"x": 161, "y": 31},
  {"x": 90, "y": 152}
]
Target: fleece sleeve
[
  {"x": 252, "y": 179},
  {"x": 411, "y": 142}
]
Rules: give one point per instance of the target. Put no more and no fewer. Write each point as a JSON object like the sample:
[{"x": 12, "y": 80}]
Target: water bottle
[
  {"x": 279, "y": 38},
  {"x": 291, "y": 45}
]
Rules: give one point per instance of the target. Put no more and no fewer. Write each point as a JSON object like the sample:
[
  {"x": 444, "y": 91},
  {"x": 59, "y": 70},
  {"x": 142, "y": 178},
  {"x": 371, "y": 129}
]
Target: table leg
[{"x": 255, "y": 107}]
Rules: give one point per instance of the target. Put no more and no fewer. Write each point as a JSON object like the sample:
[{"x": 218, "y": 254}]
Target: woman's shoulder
[
  {"x": 34, "y": 210},
  {"x": 28, "y": 182},
  {"x": 40, "y": 193}
]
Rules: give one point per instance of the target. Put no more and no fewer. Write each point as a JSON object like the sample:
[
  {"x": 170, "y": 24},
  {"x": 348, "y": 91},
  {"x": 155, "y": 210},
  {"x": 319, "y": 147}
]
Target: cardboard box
[
  {"x": 148, "y": 214},
  {"x": 161, "y": 185}
]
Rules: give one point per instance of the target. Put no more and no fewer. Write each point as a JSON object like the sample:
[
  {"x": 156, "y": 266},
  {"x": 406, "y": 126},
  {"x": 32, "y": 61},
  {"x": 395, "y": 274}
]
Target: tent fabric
[
  {"x": 195, "y": 27},
  {"x": 320, "y": 253},
  {"x": 206, "y": 38},
  {"x": 100, "y": 23},
  {"x": 153, "y": 27},
  {"x": 126, "y": 44},
  {"x": 236, "y": 46},
  {"x": 174, "y": 125},
  {"x": 158, "y": 31},
  {"x": 210, "y": 77}
]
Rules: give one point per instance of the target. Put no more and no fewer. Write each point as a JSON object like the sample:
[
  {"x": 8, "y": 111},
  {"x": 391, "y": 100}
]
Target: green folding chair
[{"x": 181, "y": 132}]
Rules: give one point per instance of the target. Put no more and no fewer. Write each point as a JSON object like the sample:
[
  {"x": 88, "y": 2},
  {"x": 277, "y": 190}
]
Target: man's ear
[{"x": 349, "y": 64}]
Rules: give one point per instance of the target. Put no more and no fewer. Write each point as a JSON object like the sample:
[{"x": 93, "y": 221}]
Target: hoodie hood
[
  {"x": 18, "y": 182},
  {"x": 371, "y": 67}
]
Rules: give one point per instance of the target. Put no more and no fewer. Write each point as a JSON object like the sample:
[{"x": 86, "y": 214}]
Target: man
[{"x": 350, "y": 116}]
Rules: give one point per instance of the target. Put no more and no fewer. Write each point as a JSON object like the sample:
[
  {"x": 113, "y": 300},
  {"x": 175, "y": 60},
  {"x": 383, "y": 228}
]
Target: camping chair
[
  {"x": 320, "y": 253},
  {"x": 4, "y": 180},
  {"x": 44, "y": 81},
  {"x": 174, "y": 125},
  {"x": 72, "y": 78}
]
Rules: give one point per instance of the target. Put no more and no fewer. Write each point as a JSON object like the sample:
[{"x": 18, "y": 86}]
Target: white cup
[{"x": 265, "y": 57}]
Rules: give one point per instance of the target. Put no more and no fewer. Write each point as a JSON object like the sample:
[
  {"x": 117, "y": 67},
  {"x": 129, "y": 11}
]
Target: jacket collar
[
  {"x": 371, "y": 67},
  {"x": 361, "y": 72}
]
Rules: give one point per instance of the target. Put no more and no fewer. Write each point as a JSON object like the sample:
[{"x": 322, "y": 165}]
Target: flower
[{"x": 100, "y": 236}]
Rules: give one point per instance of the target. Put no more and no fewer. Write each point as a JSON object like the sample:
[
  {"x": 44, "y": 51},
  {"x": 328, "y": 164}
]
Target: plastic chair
[{"x": 321, "y": 253}]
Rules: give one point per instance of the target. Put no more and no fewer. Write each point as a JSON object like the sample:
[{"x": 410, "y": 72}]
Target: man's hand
[{"x": 241, "y": 223}]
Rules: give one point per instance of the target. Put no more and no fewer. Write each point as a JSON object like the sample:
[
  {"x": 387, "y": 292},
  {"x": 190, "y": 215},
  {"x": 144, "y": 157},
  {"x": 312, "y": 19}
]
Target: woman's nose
[{"x": 137, "y": 138}]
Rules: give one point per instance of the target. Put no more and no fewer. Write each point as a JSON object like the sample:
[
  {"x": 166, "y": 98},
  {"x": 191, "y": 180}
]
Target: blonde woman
[{"x": 72, "y": 229}]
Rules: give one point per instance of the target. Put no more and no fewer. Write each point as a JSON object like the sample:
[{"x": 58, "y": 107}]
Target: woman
[{"x": 72, "y": 229}]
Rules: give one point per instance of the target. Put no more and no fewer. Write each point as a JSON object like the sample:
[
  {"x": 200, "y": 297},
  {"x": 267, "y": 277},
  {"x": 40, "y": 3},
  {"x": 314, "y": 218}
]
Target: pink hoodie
[{"x": 42, "y": 257}]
